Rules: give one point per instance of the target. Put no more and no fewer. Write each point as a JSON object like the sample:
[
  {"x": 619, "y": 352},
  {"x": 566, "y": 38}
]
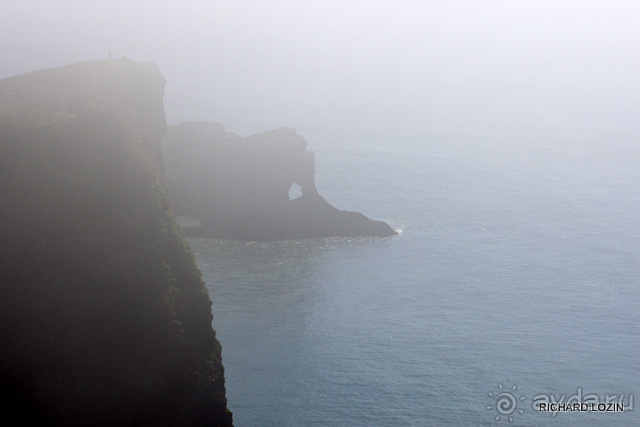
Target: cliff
[
  {"x": 239, "y": 187},
  {"x": 104, "y": 317}
]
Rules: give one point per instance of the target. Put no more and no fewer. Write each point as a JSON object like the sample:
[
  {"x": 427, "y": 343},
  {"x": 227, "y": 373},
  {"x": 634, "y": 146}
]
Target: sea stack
[{"x": 238, "y": 187}]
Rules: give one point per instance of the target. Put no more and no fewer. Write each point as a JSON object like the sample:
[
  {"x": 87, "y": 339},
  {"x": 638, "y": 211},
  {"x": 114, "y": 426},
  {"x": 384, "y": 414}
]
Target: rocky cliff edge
[{"x": 104, "y": 317}]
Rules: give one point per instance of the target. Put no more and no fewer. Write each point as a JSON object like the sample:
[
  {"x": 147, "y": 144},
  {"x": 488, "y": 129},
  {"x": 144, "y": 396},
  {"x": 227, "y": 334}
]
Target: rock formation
[
  {"x": 239, "y": 187},
  {"x": 104, "y": 317}
]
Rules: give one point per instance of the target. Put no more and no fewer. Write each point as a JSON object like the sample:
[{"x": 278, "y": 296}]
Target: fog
[
  {"x": 500, "y": 138},
  {"x": 255, "y": 65}
]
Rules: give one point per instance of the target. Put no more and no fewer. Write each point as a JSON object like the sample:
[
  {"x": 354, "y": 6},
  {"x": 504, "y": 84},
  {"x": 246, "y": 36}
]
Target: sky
[{"x": 256, "y": 65}]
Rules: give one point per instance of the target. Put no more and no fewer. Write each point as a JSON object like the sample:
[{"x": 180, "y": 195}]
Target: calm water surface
[{"x": 515, "y": 271}]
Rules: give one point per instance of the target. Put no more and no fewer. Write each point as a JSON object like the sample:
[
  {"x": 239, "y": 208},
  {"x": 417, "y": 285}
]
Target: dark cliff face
[
  {"x": 239, "y": 187},
  {"x": 104, "y": 318}
]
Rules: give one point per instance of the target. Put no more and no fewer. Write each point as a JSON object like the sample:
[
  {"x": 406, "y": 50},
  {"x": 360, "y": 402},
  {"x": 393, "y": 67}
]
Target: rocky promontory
[
  {"x": 104, "y": 317},
  {"x": 238, "y": 187}
]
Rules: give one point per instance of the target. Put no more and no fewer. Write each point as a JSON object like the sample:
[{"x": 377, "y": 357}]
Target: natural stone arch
[{"x": 295, "y": 191}]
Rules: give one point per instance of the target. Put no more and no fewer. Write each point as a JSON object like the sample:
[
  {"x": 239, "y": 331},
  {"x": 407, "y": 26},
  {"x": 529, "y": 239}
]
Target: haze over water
[
  {"x": 499, "y": 137},
  {"x": 506, "y": 273}
]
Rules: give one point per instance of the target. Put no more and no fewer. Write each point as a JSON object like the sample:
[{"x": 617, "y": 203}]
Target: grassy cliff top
[{"x": 53, "y": 97}]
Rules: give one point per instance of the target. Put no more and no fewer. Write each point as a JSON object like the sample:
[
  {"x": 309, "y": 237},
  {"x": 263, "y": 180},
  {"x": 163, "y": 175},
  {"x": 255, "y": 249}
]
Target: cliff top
[{"x": 58, "y": 94}]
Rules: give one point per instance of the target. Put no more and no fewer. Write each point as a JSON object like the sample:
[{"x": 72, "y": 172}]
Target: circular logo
[{"x": 505, "y": 403}]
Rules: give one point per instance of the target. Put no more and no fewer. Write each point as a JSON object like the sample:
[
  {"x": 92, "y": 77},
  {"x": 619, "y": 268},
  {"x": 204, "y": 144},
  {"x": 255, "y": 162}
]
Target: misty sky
[{"x": 280, "y": 63}]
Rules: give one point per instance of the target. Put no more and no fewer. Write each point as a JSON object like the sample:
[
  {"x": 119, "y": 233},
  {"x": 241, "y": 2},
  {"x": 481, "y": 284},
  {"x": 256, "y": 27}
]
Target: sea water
[{"x": 514, "y": 279}]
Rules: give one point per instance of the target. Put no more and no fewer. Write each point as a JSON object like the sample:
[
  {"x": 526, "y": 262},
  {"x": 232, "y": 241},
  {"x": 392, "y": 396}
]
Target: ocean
[{"x": 514, "y": 281}]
